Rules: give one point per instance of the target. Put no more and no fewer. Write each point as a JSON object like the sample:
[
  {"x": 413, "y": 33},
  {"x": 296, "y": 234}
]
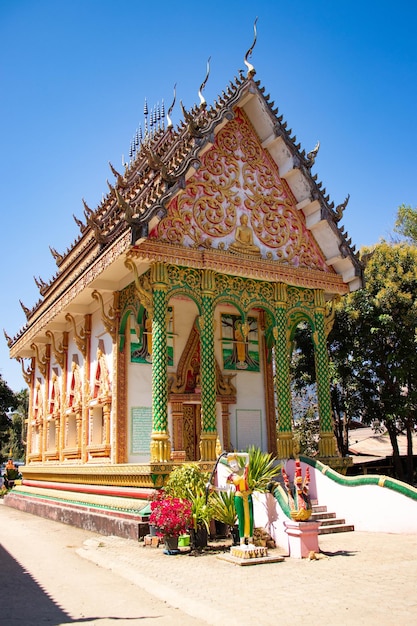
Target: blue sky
[{"x": 74, "y": 75}]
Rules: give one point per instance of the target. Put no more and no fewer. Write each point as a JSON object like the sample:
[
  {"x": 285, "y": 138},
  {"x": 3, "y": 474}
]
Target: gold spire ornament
[{"x": 251, "y": 69}]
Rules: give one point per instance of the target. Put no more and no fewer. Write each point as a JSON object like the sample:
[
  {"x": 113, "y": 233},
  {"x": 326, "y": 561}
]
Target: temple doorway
[{"x": 191, "y": 431}]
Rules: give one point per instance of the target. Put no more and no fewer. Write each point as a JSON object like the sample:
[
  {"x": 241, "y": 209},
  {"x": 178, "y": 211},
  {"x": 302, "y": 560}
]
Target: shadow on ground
[
  {"x": 339, "y": 553},
  {"x": 24, "y": 601}
]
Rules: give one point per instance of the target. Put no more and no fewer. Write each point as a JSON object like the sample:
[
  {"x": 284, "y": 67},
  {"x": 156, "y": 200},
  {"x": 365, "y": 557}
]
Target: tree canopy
[
  {"x": 372, "y": 351},
  {"x": 406, "y": 223},
  {"x": 13, "y": 412},
  {"x": 374, "y": 343}
]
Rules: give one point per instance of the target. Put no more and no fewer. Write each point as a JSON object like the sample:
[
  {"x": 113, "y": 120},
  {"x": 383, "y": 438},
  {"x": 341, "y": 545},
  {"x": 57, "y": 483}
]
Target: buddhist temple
[{"x": 165, "y": 335}]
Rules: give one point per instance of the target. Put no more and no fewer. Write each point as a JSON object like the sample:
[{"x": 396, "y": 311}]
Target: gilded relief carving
[{"x": 236, "y": 201}]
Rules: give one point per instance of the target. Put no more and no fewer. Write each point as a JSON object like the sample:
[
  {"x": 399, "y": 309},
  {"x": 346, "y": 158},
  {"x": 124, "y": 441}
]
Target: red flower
[{"x": 171, "y": 516}]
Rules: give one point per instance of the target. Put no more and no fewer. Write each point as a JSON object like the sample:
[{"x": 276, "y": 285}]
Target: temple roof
[{"x": 159, "y": 170}]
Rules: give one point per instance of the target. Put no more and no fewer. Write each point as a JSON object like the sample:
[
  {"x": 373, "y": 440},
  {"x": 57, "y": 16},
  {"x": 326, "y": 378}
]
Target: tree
[
  {"x": 374, "y": 343},
  {"x": 406, "y": 223},
  {"x": 304, "y": 392},
  {"x": 17, "y": 426},
  {"x": 352, "y": 389},
  {"x": 8, "y": 402}
]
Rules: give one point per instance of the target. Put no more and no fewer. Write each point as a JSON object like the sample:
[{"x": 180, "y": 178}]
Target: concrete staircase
[{"x": 329, "y": 523}]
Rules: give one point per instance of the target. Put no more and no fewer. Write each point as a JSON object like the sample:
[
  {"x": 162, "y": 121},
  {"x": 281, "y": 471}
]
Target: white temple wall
[
  {"x": 139, "y": 410},
  {"x": 248, "y": 415},
  {"x": 185, "y": 312}
]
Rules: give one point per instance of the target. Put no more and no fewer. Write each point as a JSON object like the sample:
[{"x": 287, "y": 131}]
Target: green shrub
[{"x": 187, "y": 480}]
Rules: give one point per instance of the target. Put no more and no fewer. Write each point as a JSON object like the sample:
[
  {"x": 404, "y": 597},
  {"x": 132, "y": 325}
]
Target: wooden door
[{"x": 191, "y": 431}]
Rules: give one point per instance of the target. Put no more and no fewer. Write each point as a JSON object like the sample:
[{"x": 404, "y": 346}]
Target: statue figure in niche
[
  {"x": 243, "y": 243},
  {"x": 38, "y": 403},
  {"x": 240, "y": 343},
  {"x": 241, "y": 347},
  {"x": 55, "y": 401}
]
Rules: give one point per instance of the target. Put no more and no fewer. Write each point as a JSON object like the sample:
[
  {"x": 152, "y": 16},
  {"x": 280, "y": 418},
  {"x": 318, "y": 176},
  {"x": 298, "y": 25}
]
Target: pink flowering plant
[{"x": 171, "y": 516}]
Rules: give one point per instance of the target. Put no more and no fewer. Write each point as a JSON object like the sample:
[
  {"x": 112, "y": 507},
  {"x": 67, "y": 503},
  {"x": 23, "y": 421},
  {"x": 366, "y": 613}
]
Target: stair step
[
  {"x": 318, "y": 508},
  {"x": 331, "y": 522},
  {"x": 340, "y": 528},
  {"x": 317, "y": 516}
]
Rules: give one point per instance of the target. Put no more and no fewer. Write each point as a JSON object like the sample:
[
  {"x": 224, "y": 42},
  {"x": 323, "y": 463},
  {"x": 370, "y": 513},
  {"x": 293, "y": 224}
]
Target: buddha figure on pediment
[{"x": 243, "y": 243}]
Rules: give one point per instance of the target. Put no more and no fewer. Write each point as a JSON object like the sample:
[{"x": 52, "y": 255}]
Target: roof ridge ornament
[
  {"x": 203, "y": 103},
  {"x": 171, "y": 108},
  {"x": 311, "y": 156},
  {"x": 26, "y": 310},
  {"x": 41, "y": 285},
  {"x": 193, "y": 127},
  {"x": 58, "y": 257},
  {"x": 9, "y": 340},
  {"x": 338, "y": 212},
  {"x": 251, "y": 69}
]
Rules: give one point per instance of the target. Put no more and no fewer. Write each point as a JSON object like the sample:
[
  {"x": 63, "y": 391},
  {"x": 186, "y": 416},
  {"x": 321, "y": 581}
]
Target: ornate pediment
[{"x": 237, "y": 202}]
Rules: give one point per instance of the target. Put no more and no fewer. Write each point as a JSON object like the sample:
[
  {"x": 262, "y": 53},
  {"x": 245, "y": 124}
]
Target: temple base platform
[{"x": 104, "y": 511}]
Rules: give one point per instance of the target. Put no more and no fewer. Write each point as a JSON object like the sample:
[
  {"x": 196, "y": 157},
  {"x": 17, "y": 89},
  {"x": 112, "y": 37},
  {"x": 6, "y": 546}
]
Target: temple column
[
  {"x": 46, "y": 371},
  {"x": 208, "y": 435},
  {"x": 327, "y": 442},
  {"x": 29, "y": 377},
  {"x": 64, "y": 382},
  {"x": 282, "y": 375},
  {"x": 80, "y": 426},
  {"x": 85, "y": 421},
  {"x": 160, "y": 444},
  {"x": 267, "y": 366},
  {"x": 106, "y": 424}
]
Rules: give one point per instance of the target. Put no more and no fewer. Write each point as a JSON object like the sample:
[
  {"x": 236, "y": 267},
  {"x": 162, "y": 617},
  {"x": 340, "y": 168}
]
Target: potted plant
[
  {"x": 188, "y": 481},
  {"x": 201, "y": 514},
  {"x": 224, "y": 511},
  {"x": 171, "y": 516}
]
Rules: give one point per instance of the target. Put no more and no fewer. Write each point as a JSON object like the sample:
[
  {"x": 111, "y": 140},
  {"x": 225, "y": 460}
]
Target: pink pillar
[{"x": 303, "y": 538}]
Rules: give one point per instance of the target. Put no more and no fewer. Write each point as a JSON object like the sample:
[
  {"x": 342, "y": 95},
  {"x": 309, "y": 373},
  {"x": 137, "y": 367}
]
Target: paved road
[
  {"x": 76, "y": 577},
  {"x": 44, "y": 581}
]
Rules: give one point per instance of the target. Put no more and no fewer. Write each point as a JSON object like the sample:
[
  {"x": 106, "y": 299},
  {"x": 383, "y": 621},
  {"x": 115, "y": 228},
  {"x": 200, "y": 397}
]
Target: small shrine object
[{"x": 298, "y": 497}]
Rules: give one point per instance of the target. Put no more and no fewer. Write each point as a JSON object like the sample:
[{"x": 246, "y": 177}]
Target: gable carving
[{"x": 238, "y": 180}]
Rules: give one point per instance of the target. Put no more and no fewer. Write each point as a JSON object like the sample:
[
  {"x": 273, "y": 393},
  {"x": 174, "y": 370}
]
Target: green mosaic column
[
  {"x": 160, "y": 443},
  {"x": 282, "y": 376},
  {"x": 327, "y": 443},
  {"x": 208, "y": 436}
]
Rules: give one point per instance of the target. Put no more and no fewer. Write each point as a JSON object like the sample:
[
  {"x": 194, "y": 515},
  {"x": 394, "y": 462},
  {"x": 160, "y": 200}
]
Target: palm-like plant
[
  {"x": 223, "y": 507},
  {"x": 201, "y": 509},
  {"x": 262, "y": 469}
]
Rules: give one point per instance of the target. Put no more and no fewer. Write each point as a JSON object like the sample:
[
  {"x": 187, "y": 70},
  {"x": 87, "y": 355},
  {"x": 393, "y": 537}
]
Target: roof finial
[
  {"x": 163, "y": 115},
  {"x": 251, "y": 69},
  {"x": 169, "y": 124},
  {"x": 203, "y": 102},
  {"x": 311, "y": 156},
  {"x": 338, "y": 212}
]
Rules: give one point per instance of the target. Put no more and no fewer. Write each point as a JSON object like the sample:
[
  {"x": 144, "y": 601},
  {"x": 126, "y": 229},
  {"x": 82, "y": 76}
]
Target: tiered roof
[{"x": 161, "y": 164}]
